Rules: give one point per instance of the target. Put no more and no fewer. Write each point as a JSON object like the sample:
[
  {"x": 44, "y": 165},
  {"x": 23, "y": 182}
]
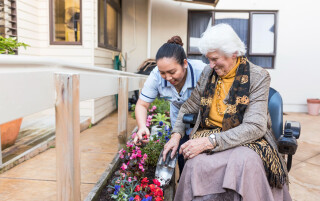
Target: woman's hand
[
  {"x": 194, "y": 147},
  {"x": 173, "y": 144},
  {"x": 140, "y": 136}
]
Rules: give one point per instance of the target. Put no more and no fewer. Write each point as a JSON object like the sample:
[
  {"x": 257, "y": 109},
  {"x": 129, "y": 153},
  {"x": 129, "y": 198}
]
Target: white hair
[{"x": 221, "y": 38}]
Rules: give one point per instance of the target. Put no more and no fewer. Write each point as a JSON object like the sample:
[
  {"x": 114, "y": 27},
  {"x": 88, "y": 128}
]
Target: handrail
[
  {"x": 30, "y": 77},
  {"x": 9, "y": 61},
  {"x": 31, "y": 84}
]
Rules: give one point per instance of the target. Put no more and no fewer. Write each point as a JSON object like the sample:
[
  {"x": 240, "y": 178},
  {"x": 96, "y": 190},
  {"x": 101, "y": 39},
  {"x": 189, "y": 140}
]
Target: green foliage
[
  {"x": 163, "y": 106},
  {"x": 158, "y": 118},
  {"x": 123, "y": 188},
  {"x": 9, "y": 45},
  {"x": 154, "y": 147},
  {"x": 153, "y": 150},
  {"x": 133, "y": 108}
]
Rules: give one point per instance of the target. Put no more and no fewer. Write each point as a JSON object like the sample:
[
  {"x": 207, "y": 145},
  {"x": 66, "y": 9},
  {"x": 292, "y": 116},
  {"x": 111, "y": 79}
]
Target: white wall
[
  {"x": 33, "y": 29},
  {"x": 296, "y": 72},
  {"x": 170, "y": 18},
  {"x": 134, "y": 32}
]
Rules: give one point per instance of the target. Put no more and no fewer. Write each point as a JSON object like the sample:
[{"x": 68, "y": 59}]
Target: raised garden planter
[
  {"x": 100, "y": 191},
  {"x": 131, "y": 174}
]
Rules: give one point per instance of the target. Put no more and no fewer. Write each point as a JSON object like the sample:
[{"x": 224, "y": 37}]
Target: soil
[{"x": 105, "y": 196}]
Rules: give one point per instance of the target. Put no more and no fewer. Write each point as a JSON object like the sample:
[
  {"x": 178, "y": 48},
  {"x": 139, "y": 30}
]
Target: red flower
[
  {"x": 156, "y": 182},
  {"x": 145, "y": 180},
  {"x": 158, "y": 192},
  {"x": 159, "y": 199},
  {"x": 121, "y": 186},
  {"x": 137, "y": 188},
  {"x": 152, "y": 187},
  {"x": 147, "y": 196},
  {"x": 137, "y": 198}
]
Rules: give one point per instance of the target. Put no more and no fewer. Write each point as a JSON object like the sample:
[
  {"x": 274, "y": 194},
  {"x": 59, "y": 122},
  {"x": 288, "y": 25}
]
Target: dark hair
[{"x": 172, "y": 49}]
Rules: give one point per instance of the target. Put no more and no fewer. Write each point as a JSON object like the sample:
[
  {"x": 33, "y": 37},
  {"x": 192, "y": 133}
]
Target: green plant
[
  {"x": 9, "y": 45},
  {"x": 133, "y": 108},
  {"x": 163, "y": 106},
  {"x": 158, "y": 118},
  {"x": 154, "y": 147}
]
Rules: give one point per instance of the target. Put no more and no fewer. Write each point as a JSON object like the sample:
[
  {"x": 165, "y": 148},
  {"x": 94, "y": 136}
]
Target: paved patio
[{"x": 35, "y": 179}]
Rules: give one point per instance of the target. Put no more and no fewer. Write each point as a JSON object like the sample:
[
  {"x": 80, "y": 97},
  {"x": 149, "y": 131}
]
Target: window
[
  {"x": 65, "y": 22},
  {"x": 109, "y": 17},
  {"x": 256, "y": 29},
  {"x": 8, "y": 18}
]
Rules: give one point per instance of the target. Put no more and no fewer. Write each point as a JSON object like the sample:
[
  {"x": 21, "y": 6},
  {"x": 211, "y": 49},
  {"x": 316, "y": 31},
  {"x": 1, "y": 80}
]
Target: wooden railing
[{"x": 32, "y": 84}]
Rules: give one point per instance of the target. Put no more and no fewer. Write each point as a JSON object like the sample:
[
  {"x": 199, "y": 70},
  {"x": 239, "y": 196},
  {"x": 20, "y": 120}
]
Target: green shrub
[{"x": 9, "y": 45}]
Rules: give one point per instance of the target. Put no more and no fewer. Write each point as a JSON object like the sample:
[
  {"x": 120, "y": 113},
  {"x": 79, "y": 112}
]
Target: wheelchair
[{"x": 286, "y": 136}]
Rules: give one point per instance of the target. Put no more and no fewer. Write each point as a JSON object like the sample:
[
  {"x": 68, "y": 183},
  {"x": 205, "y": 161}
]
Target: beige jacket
[{"x": 256, "y": 122}]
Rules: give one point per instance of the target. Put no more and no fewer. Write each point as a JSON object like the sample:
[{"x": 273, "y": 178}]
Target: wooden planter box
[{"x": 168, "y": 192}]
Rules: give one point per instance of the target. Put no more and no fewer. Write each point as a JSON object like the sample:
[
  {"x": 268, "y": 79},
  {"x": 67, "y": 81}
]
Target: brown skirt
[{"x": 234, "y": 174}]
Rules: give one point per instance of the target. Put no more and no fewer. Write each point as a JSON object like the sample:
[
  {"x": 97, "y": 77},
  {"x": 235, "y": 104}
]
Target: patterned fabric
[{"x": 233, "y": 116}]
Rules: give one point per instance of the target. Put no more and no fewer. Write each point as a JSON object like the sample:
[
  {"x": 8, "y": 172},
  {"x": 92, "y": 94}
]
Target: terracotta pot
[
  {"x": 9, "y": 132},
  {"x": 313, "y": 106}
]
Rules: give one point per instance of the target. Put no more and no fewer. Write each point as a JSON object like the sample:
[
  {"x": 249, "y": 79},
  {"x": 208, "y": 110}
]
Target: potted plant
[
  {"x": 313, "y": 106},
  {"x": 10, "y": 130}
]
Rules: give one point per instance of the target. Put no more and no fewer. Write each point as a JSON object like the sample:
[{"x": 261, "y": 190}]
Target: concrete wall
[{"x": 296, "y": 72}]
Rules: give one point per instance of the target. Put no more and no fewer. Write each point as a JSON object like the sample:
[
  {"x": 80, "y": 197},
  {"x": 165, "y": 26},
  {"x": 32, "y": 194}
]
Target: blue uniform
[{"x": 156, "y": 86}]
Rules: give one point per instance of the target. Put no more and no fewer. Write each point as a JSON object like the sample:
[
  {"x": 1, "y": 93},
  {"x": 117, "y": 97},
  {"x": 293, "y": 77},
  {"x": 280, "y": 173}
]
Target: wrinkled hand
[
  {"x": 172, "y": 144},
  {"x": 194, "y": 147},
  {"x": 142, "y": 136}
]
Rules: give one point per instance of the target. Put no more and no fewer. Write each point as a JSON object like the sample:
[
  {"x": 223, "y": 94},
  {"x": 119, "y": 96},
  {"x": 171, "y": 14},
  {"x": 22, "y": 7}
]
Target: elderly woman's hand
[
  {"x": 173, "y": 144},
  {"x": 192, "y": 148}
]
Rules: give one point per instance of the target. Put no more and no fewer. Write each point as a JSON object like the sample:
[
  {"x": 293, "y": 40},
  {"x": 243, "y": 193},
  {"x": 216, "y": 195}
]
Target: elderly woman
[{"x": 231, "y": 154}]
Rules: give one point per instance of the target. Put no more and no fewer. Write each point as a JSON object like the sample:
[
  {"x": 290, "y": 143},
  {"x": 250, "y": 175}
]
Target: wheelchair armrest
[
  {"x": 190, "y": 119},
  {"x": 295, "y": 128}
]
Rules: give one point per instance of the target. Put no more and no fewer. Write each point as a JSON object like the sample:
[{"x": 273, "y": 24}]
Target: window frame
[
  {"x": 118, "y": 9},
  {"x": 249, "y": 37},
  {"x": 51, "y": 25},
  {"x": 275, "y": 35}
]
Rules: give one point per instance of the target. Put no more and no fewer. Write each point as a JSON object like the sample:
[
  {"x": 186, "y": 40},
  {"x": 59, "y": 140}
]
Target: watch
[{"x": 212, "y": 139}]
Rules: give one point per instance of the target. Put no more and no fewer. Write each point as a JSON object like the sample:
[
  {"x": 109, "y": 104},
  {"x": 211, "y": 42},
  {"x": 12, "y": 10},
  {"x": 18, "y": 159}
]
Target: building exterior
[{"x": 279, "y": 36}]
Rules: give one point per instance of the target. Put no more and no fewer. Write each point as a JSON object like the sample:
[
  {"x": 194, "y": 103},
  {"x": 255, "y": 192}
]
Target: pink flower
[
  {"x": 139, "y": 153},
  {"x": 121, "y": 153},
  {"x": 129, "y": 144},
  {"x": 145, "y": 156},
  {"x": 154, "y": 107},
  {"x": 133, "y": 135},
  {"x": 135, "y": 178},
  {"x": 140, "y": 166},
  {"x": 124, "y": 166},
  {"x": 133, "y": 156},
  {"x": 129, "y": 179}
]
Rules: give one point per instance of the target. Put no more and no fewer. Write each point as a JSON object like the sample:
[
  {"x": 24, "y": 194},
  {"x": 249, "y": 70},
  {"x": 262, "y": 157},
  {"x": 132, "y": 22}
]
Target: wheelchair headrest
[{"x": 275, "y": 108}]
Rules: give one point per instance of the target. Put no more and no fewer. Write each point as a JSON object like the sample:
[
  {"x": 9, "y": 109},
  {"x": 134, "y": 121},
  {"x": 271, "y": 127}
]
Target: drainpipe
[{"x": 149, "y": 28}]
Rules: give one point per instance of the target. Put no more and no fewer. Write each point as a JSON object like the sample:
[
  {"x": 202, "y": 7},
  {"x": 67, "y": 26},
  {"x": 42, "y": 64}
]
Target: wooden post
[
  {"x": 122, "y": 111},
  {"x": 67, "y": 137},
  {"x": 0, "y": 150}
]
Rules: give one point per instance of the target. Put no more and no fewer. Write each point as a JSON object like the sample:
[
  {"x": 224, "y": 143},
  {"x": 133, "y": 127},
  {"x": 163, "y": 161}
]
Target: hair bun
[{"x": 175, "y": 40}]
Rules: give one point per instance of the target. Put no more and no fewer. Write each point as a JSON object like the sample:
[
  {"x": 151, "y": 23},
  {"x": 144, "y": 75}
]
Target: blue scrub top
[{"x": 156, "y": 86}]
